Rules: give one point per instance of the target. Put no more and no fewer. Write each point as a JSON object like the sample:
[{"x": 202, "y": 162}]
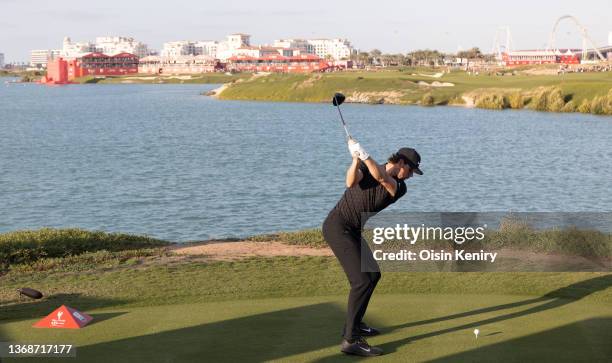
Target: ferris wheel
[{"x": 586, "y": 40}]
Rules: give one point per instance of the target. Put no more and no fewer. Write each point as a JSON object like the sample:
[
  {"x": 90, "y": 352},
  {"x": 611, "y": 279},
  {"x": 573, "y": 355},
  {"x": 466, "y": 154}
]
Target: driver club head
[{"x": 338, "y": 99}]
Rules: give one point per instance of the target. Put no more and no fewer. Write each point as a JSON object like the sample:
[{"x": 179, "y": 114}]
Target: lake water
[{"x": 165, "y": 161}]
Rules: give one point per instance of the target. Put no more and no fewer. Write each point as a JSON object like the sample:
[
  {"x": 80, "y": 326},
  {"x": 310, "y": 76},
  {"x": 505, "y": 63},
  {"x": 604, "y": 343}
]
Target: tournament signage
[{"x": 64, "y": 317}]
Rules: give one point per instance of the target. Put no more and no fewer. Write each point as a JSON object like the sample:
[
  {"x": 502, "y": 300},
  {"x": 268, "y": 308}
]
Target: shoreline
[
  {"x": 584, "y": 93},
  {"x": 588, "y": 93}
]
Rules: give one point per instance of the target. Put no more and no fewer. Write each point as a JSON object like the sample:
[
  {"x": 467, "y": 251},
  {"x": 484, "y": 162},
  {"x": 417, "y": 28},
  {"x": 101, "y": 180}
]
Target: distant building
[
  {"x": 72, "y": 49},
  {"x": 40, "y": 57},
  {"x": 239, "y": 44},
  {"x": 336, "y": 49},
  {"x": 302, "y": 44},
  {"x": 1, "y": 60},
  {"x": 238, "y": 40},
  {"x": 304, "y": 63},
  {"x": 182, "y": 64},
  {"x": 527, "y": 57},
  {"x": 207, "y": 47},
  {"x": 230, "y": 46},
  {"x": 189, "y": 47},
  {"x": 115, "y": 45},
  {"x": 61, "y": 70},
  {"x": 108, "y": 45},
  {"x": 178, "y": 48}
]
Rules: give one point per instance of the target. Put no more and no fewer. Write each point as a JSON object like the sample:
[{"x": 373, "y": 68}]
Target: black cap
[{"x": 412, "y": 158}]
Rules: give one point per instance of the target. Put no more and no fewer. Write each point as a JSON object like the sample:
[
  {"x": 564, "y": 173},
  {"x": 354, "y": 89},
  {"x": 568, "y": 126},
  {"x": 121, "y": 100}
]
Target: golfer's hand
[
  {"x": 353, "y": 147},
  {"x": 356, "y": 150}
]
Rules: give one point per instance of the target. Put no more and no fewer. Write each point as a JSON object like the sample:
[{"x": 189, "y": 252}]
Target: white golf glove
[{"x": 355, "y": 147}]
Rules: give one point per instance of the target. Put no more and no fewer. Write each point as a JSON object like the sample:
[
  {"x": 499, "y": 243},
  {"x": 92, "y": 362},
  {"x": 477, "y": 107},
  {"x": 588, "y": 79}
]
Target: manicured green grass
[
  {"x": 152, "y": 306},
  {"x": 417, "y": 327},
  {"x": 320, "y": 87},
  {"x": 160, "y": 279}
]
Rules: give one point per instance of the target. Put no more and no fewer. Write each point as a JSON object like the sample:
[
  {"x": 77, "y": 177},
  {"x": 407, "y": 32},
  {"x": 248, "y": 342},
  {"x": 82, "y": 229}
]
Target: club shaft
[{"x": 343, "y": 123}]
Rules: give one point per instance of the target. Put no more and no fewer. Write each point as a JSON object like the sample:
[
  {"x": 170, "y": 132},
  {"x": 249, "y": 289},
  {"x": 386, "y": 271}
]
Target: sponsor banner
[{"x": 64, "y": 317}]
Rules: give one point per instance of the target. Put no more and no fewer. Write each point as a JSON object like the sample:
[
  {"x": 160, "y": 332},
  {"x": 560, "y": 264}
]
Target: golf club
[{"x": 337, "y": 101}]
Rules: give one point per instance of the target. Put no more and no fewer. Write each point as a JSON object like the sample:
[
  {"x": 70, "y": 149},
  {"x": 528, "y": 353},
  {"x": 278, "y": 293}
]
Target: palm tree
[
  {"x": 375, "y": 54},
  {"x": 364, "y": 58}
]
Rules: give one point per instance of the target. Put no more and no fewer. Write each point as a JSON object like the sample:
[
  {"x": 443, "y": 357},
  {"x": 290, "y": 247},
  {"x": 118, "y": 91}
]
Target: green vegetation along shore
[
  {"x": 151, "y": 305},
  {"x": 570, "y": 92}
]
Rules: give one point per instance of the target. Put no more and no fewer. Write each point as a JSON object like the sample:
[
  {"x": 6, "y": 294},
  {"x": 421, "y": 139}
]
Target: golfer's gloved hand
[{"x": 356, "y": 149}]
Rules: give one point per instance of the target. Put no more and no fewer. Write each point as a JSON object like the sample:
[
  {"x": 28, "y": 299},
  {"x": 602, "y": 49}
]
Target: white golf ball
[{"x": 476, "y": 331}]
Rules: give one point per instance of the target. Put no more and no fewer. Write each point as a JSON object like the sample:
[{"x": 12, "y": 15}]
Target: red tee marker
[{"x": 64, "y": 317}]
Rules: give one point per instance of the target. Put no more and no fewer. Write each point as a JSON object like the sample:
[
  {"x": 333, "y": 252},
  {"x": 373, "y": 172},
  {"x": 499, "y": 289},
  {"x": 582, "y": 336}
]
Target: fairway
[
  {"x": 419, "y": 327},
  {"x": 404, "y": 86}
]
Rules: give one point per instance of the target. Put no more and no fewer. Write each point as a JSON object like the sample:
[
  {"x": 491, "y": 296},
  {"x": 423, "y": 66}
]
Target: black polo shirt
[{"x": 367, "y": 196}]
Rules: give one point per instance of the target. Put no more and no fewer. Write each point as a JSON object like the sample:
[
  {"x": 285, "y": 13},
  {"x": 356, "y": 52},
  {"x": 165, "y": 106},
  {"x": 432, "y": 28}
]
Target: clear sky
[{"x": 391, "y": 26}]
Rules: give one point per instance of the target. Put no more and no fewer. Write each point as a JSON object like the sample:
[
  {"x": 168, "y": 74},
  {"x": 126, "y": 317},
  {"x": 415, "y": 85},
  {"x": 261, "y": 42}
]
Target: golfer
[{"x": 370, "y": 188}]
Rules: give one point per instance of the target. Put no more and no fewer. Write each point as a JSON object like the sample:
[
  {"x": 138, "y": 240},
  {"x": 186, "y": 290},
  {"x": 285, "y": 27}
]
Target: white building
[
  {"x": 1, "y": 60},
  {"x": 116, "y": 45},
  {"x": 301, "y": 44},
  {"x": 188, "y": 47},
  {"x": 74, "y": 49},
  {"x": 207, "y": 47},
  {"x": 238, "y": 40},
  {"x": 106, "y": 45},
  {"x": 178, "y": 48},
  {"x": 335, "y": 48},
  {"x": 230, "y": 47},
  {"x": 40, "y": 57}
]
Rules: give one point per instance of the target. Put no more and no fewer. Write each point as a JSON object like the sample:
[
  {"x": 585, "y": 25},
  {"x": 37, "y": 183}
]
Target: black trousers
[{"x": 355, "y": 257}]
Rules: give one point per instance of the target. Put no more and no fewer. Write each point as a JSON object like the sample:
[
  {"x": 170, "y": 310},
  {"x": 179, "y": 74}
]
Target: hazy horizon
[{"x": 391, "y": 26}]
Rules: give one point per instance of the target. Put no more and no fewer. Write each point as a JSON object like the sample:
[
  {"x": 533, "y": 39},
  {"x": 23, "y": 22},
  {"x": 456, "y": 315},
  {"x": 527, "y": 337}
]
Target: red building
[
  {"x": 57, "y": 72},
  {"x": 303, "y": 63},
  {"x": 526, "y": 57},
  {"x": 62, "y": 71}
]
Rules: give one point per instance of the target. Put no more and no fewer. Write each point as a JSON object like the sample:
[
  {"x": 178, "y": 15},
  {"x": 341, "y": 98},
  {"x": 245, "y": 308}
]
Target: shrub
[
  {"x": 555, "y": 100},
  {"x": 427, "y": 100},
  {"x": 516, "y": 100},
  {"x": 608, "y": 103},
  {"x": 598, "y": 105},
  {"x": 514, "y": 233},
  {"x": 493, "y": 101},
  {"x": 539, "y": 100},
  {"x": 585, "y": 107},
  {"x": 548, "y": 99},
  {"x": 456, "y": 100},
  {"x": 29, "y": 246},
  {"x": 569, "y": 107}
]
